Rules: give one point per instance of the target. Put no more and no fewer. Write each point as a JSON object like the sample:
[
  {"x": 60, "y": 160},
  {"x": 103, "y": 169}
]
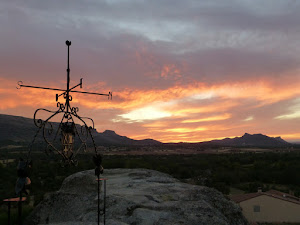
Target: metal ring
[{"x": 19, "y": 84}]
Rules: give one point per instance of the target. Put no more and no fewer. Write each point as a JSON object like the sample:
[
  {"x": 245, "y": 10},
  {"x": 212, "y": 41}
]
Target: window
[{"x": 256, "y": 208}]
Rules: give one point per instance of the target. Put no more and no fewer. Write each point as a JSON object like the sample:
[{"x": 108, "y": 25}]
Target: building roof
[
  {"x": 282, "y": 194},
  {"x": 243, "y": 197},
  {"x": 272, "y": 193}
]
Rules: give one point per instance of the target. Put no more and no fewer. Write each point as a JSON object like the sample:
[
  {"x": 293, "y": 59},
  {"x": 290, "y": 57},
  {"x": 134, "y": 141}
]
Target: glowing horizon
[{"x": 176, "y": 74}]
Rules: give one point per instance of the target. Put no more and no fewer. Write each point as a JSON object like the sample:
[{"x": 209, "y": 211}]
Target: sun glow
[
  {"x": 146, "y": 113},
  {"x": 175, "y": 110}
]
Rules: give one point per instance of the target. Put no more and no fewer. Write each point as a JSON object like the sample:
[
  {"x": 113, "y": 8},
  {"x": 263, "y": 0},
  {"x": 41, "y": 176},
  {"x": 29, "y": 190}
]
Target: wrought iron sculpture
[
  {"x": 63, "y": 140},
  {"x": 67, "y": 129}
]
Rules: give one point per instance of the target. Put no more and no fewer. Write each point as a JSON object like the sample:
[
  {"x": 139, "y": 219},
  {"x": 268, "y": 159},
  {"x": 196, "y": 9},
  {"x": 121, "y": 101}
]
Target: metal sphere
[{"x": 68, "y": 42}]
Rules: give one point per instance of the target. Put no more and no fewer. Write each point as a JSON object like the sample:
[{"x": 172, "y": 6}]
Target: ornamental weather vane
[
  {"x": 66, "y": 139},
  {"x": 67, "y": 129}
]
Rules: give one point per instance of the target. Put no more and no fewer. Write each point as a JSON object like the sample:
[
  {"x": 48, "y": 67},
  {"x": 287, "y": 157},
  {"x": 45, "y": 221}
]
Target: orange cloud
[
  {"x": 226, "y": 105},
  {"x": 186, "y": 130},
  {"x": 133, "y": 98},
  {"x": 156, "y": 124},
  {"x": 182, "y": 107},
  {"x": 128, "y": 99},
  {"x": 262, "y": 92},
  {"x": 207, "y": 119}
]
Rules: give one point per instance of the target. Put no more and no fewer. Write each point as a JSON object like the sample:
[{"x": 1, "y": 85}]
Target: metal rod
[
  {"x": 70, "y": 89},
  {"x": 54, "y": 89},
  {"x": 98, "y": 198},
  {"x": 92, "y": 93},
  {"x": 104, "y": 201},
  {"x": 68, "y": 43},
  {"x": 75, "y": 86},
  {"x": 57, "y": 89},
  {"x": 20, "y": 209},
  {"x": 8, "y": 214}
]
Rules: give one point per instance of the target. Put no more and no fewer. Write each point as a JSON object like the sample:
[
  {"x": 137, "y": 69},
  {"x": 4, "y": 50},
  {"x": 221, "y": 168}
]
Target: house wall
[{"x": 271, "y": 210}]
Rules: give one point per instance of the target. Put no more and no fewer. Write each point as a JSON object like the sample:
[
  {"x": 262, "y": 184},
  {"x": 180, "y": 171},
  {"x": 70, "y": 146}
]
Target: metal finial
[
  {"x": 68, "y": 42},
  {"x": 19, "y": 84}
]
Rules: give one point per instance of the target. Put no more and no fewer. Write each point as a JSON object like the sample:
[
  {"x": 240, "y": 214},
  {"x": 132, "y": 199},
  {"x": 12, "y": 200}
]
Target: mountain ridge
[
  {"x": 251, "y": 140},
  {"x": 18, "y": 129},
  {"x": 21, "y": 129}
]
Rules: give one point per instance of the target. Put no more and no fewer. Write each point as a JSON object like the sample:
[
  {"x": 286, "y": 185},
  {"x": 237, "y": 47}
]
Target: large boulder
[{"x": 136, "y": 197}]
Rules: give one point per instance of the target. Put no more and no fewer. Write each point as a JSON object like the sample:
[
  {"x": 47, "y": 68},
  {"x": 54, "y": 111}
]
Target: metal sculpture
[
  {"x": 67, "y": 129},
  {"x": 61, "y": 139}
]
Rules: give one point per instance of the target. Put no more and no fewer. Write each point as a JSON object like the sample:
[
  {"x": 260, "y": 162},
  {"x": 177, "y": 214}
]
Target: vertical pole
[
  {"x": 8, "y": 213},
  {"x": 20, "y": 209},
  {"x": 104, "y": 210},
  {"x": 68, "y": 43},
  {"x": 98, "y": 199}
]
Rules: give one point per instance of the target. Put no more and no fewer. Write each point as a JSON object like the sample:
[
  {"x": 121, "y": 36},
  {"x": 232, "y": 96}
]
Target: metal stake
[
  {"x": 98, "y": 199},
  {"x": 20, "y": 210},
  {"x": 104, "y": 209},
  {"x": 8, "y": 213}
]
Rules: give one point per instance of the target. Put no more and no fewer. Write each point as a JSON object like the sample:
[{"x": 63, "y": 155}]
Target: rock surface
[{"x": 137, "y": 197}]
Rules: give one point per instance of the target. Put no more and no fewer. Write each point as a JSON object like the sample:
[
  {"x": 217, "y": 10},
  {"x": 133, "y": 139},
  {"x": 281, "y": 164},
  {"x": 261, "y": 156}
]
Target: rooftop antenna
[{"x": 62, "y": 141}]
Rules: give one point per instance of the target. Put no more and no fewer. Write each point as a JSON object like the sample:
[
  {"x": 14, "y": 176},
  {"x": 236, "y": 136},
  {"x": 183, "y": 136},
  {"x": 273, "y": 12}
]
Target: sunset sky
[{"x": 187, "y": 71}]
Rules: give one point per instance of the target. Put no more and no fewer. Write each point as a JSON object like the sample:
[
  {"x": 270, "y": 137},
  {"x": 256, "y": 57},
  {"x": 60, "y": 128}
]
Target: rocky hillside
[{"x": 136, "y": 196}]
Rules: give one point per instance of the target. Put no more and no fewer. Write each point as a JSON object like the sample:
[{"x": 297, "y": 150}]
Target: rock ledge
[{"x": 136, "y": 197}]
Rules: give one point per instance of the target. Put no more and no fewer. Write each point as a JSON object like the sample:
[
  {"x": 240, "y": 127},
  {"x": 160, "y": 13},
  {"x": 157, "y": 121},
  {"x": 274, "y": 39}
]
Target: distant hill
[
  {"x": 251, "y": 140},
  {"x": 16, "y": 129},
  {"x": 110, "y": 137},
  {"x": 21, "y": 130}
]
